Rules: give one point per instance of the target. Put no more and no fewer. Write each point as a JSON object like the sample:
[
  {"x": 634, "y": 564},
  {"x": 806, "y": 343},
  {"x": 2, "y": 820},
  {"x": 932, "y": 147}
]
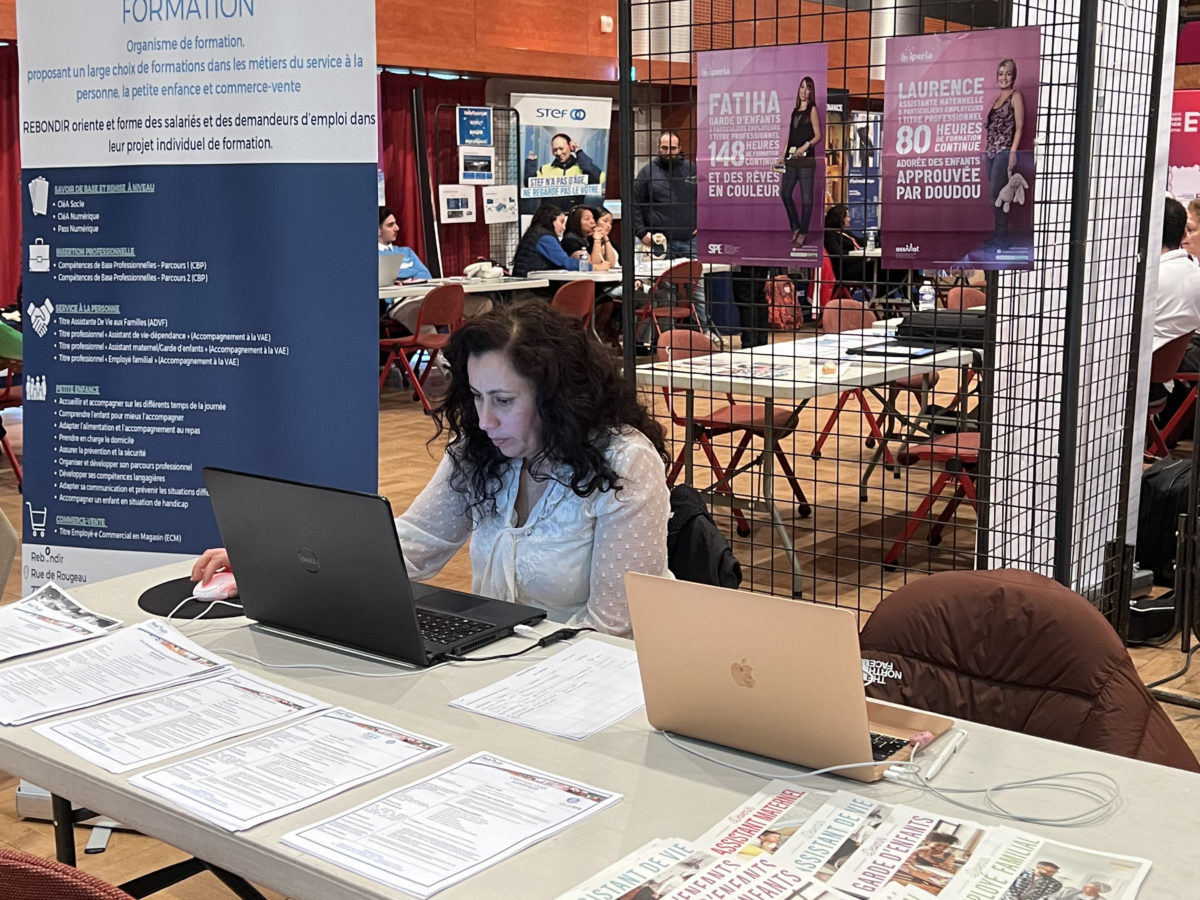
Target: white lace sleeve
[
  {"x": 631, "y": 533},
  {"x": 434, "y": 526}
]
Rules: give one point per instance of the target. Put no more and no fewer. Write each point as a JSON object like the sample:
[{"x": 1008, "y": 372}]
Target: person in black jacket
[{"x": 664, "y": 202}]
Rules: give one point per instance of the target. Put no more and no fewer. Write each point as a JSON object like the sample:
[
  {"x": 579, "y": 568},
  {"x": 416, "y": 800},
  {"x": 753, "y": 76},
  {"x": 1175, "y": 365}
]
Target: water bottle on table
[{"x": 926, "y": 296}]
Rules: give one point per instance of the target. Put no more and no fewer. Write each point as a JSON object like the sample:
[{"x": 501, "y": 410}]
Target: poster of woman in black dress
[{"x": 799, "y": 161}]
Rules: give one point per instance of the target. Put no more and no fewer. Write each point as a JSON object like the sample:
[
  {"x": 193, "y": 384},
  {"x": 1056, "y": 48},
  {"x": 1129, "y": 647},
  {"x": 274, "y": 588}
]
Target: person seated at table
[
  {"x": 412, "y": 269},
  {"x": 607, "y": 321},
  {"x": 540, "y": 247},
  {"x": 850, "y": 265},
  {"x": 578, "y": 235},
  {"x": 1177, "y": 307},
  {"x": 411, "y": 266},
  {"x": 553, "y": 472}
]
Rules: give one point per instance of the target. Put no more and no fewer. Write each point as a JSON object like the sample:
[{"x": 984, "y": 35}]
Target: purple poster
[
  {"x": 761, "y": 155},
  {"x": 960, "y": 111}
]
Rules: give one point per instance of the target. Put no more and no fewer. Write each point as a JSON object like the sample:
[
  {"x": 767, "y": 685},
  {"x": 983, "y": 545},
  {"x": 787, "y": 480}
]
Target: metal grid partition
[{"x": 1046, "y": 399}]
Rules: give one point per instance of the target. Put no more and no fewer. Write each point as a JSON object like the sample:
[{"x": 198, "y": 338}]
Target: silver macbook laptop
[
  {"x": 324, "y": 565},
  {"x": 389, "y": 268},
  {"x": 768, "y": 675}
]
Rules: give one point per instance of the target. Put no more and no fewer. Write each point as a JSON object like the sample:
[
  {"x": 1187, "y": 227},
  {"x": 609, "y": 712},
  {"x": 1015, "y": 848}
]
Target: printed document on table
[
  {"x": 279, "y": 772},
  {"x": 574, "y": 694},
  {"x": 144, "y": 657},
  {"x": 47, "y": 618},
  {"x": 436, "y": 832},
  {"x": 151, "y": 729}
]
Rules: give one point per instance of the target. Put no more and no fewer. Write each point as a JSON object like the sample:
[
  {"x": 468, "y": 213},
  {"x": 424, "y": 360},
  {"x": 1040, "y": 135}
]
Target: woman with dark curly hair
[{"x": 554, "y": 472}]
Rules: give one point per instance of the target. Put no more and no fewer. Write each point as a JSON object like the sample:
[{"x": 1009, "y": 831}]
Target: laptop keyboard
[
  {"x": 442, "y": 628},
  {"x": 884, "y": 746}
]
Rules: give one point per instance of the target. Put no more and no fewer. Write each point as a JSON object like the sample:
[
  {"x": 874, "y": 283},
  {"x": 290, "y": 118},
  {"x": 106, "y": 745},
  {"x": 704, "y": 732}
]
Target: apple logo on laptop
[{"x": 743, "y": 675}]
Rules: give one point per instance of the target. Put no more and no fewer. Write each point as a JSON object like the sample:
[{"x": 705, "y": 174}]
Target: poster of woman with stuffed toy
[{"x": 960, "y": 115}]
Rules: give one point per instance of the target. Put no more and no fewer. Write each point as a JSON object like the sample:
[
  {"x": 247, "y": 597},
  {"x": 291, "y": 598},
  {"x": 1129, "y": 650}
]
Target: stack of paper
[
  {"x": 151, "y": 729},
  {"x": 145, "y": 657},
  {"x": 279, "y": 772},
  {"x": 46, "y": 619}
]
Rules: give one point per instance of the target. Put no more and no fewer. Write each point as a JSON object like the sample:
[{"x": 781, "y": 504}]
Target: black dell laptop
[{"x": 324, "y": 565}]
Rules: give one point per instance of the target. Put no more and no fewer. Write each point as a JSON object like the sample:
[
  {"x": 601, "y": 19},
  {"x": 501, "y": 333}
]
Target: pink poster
[
  {"x": 760, "y": 157},
  {"x": 1183, "y": 174},
  {"x": 960, "y": 112}
]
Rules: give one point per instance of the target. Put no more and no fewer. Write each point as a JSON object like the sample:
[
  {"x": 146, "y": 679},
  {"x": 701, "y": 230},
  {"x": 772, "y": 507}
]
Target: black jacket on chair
[{"x": 696, "y": 548}]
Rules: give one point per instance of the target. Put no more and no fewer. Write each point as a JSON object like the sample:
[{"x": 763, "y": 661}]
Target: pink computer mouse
[{"x": 220, "y": 587}]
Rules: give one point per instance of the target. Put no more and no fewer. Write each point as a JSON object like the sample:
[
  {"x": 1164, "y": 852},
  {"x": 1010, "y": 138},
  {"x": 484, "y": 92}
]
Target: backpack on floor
[
  {"x": 783, "y": 308},
  {"x": 1164, "y": 497}
]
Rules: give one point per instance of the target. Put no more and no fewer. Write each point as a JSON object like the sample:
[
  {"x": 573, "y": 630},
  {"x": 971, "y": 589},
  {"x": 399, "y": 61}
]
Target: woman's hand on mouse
[{"x": 209, "y": 563}]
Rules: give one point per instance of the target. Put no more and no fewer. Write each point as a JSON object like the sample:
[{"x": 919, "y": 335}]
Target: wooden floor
[{"x": 839, "y": 547}]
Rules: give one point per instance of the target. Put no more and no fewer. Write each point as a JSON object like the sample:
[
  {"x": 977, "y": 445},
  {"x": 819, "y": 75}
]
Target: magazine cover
[
  {"x": 651, "y": 871},
  {"x": 833, "y": 834},
  {"x": 762, "y": 825},
  {"x": 735, "y": 879}
]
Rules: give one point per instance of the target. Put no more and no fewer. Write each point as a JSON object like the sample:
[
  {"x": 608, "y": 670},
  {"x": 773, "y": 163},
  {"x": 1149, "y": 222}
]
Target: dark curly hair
[{"x": 582, "y": 401}]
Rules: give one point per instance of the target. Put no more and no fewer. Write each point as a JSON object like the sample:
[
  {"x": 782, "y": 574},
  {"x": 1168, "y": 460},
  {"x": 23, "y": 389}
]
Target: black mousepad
[{"x": 161, "y": 599}]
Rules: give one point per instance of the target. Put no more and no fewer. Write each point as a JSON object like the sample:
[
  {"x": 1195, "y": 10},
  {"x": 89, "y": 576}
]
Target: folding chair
[
  {"x": 1164, "y": 367},
  {"x": 441, "y": 308},
  {"x": 681, "y": 279},
  {"x": 850, "y": 315},
  {"x": 959, "y": 453},
  {"x": 747, "y": 419},
  {"x": 576, "y": 299}
]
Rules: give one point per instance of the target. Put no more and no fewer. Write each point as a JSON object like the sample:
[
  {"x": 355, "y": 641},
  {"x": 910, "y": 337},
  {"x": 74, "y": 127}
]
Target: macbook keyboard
[
  {"x": 884, "y": 746},
  {"x": 442, "y": 628}
]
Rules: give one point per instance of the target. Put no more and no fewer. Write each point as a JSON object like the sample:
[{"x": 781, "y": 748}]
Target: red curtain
[
  {"x": 10, "y": 177},
  {"x": 461, "y": 244}
]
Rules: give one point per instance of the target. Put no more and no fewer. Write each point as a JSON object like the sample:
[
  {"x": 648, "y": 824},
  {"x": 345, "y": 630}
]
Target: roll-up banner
[
  {"x": 1183, "y": 174},
  {"x": 564, "y": 149},
  {"x": 960, "y": 111},
  {"x": 201, "y": 206},
  {"x": 761, "y": 155}
]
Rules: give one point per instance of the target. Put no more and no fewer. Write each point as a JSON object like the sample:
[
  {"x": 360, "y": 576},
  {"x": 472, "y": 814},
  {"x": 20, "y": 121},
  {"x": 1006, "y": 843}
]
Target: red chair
[
  {"x": 681, "y": 279},
  {"x": 27, "y": 877},
  {"x": 1164, "y": 367},
  {"x": 12, "y": 395},
  {"x": 1175, "y": 428},
  {"x": 828, "y": 286},
  {"x": 965, "y": 298},
  {"x": 850, "y": 315},
  {"x": 576, "y": 299},
  {"x": 959, "y": 453},
  {"x": 748, "y": 419},
  {"x": 441, "y": 308}
]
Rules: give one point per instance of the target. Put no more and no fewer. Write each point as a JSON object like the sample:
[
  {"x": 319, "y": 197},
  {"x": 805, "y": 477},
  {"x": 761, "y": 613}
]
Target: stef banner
[
  {"x": 564, "y": 149},
  {"x": 960, "y": 112},
  {"x": 761, "y": 155}
]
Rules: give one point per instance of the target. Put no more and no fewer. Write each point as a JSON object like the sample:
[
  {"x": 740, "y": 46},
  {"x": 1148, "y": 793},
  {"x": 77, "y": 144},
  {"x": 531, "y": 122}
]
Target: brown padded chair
[
  {"x": 1019, "y": 651},
  {"x": 27, "y": 877}
]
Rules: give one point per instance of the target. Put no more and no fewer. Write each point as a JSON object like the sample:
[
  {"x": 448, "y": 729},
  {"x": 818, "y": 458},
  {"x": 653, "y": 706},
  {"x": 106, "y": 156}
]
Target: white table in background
[
  {"x": 667, "y": 791},
  {"x": 409, "y": 294},
  {"x": 793, "y": 389}
]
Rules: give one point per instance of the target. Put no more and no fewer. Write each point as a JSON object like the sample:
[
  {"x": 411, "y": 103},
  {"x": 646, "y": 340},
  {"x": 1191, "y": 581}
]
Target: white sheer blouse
[{"x": 570, "y": 557}]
